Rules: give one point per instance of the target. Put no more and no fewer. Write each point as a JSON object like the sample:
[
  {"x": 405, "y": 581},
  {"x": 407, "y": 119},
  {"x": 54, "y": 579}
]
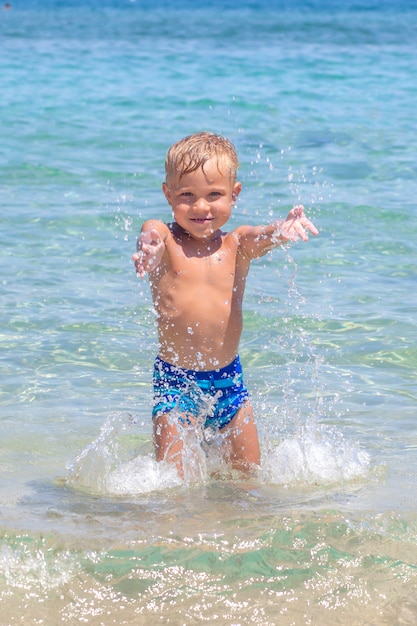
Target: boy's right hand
[{"x": 151, "y": 248}]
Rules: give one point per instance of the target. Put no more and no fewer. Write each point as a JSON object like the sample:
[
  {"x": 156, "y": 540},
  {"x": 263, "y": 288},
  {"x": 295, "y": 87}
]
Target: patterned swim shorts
[{"x": 215, "y": 396}]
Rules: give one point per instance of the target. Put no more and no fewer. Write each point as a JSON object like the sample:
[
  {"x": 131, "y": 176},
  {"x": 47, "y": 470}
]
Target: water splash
[
  {"x": 109, "y": 465},
  {"x": 316, "y": 455},
  {"x": 298, "y": 446},
  {"x": 319, "y": 455},
  {"x": 200, "y": 444},
  {"x": 141, "y": 475},
  {"x": 106, "y": 465},
  {"x": 35, "y": 568}
]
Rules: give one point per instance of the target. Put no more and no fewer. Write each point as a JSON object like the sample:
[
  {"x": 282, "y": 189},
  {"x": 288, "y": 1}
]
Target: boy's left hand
[
  {"x": 150, "y": 251},
  {"x": 296, "y": 224}
]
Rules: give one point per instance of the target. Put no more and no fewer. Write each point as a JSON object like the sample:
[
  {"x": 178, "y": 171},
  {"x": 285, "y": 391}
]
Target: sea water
[{"x": 320, "y": 100}]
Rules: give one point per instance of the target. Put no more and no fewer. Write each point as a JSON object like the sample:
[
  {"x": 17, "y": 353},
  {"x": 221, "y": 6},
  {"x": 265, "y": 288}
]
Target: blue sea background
[{"x": 320, "y": 101}]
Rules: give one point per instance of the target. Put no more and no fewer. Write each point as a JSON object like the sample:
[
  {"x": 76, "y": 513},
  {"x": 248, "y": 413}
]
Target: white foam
[
  {"x": 321, "y": 457},
  {"x": 102, "y": 467},
  {"x": 317, "y": 455},
  {"x": 141, "y": 475}
]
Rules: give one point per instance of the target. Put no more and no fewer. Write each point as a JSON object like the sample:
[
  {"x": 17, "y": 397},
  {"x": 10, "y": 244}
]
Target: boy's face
[{"x": 202, "y": 201}]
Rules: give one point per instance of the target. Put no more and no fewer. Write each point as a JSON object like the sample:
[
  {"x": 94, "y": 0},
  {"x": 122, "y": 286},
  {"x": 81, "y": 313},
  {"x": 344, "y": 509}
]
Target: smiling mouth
[{"x": 201, "y": 220}]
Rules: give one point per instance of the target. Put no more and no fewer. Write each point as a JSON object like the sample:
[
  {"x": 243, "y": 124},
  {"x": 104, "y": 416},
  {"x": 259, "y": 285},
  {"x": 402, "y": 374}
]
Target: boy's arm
[
  {"x": 150, "y": 246},
  {"x": 256, "y": 241}
]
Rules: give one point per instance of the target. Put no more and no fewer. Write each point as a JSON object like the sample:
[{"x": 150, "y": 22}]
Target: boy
[{"x": 197, "y": 275}]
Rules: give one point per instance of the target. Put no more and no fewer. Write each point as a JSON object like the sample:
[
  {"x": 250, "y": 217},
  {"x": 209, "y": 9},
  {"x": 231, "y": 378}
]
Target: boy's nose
[{"x": 202, "y": 204}]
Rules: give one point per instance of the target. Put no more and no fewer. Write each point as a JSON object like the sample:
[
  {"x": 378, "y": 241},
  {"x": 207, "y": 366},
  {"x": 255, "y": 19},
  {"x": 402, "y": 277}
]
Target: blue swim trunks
[{"x": 214, "y": 396}]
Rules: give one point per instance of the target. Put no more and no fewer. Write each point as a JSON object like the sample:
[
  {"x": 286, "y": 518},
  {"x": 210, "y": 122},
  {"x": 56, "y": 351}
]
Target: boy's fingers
[
  {"x": 298, "y": 211},
  {"x": 148, "y": 238},
  {"x": 155, "y": 236},
  {"x": 152, "y": 237},
  {"x": 305, "y": 223},
  {"x": 308, "y": 224},
  {"x": 300, "y": 232},
  {"x": 298, "y": 215}
]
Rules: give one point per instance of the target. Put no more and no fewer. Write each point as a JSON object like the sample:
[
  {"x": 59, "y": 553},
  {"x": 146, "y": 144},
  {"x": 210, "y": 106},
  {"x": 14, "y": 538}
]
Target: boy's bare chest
[
  {"x": 218, "y": 269},
  {"x": 205, "y": 258}
]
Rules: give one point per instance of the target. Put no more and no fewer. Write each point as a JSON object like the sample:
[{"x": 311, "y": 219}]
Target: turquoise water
[{"x": 320, "y": 102}]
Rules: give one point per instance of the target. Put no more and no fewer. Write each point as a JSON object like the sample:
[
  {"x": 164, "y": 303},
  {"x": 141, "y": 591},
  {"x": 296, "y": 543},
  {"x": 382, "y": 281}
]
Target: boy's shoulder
[{"x": 244, "y": 230}]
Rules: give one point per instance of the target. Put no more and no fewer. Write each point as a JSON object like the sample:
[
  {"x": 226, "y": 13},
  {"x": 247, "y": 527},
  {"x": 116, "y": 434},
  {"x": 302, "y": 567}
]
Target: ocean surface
[{"x": 320, "y": 100}]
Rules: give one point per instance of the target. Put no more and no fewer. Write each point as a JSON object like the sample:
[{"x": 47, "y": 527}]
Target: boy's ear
[
  {"x": 237, "y": 188},
  {"x": 167, "y": 192}
]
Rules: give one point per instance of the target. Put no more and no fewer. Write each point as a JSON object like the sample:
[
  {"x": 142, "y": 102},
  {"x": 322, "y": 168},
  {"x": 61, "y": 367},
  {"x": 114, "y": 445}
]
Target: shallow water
[{"x": 320, "y": 104}]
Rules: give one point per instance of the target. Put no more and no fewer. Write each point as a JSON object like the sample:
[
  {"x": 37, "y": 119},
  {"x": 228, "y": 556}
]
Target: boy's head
[{"x": 193, "y": 152}]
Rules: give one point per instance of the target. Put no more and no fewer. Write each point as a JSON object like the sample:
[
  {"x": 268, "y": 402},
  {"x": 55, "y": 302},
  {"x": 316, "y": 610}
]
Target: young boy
[{"x": 197, "y": 275}]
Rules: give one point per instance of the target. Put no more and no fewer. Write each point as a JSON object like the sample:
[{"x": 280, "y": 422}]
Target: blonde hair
[{"x": 189, "y": 154}]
